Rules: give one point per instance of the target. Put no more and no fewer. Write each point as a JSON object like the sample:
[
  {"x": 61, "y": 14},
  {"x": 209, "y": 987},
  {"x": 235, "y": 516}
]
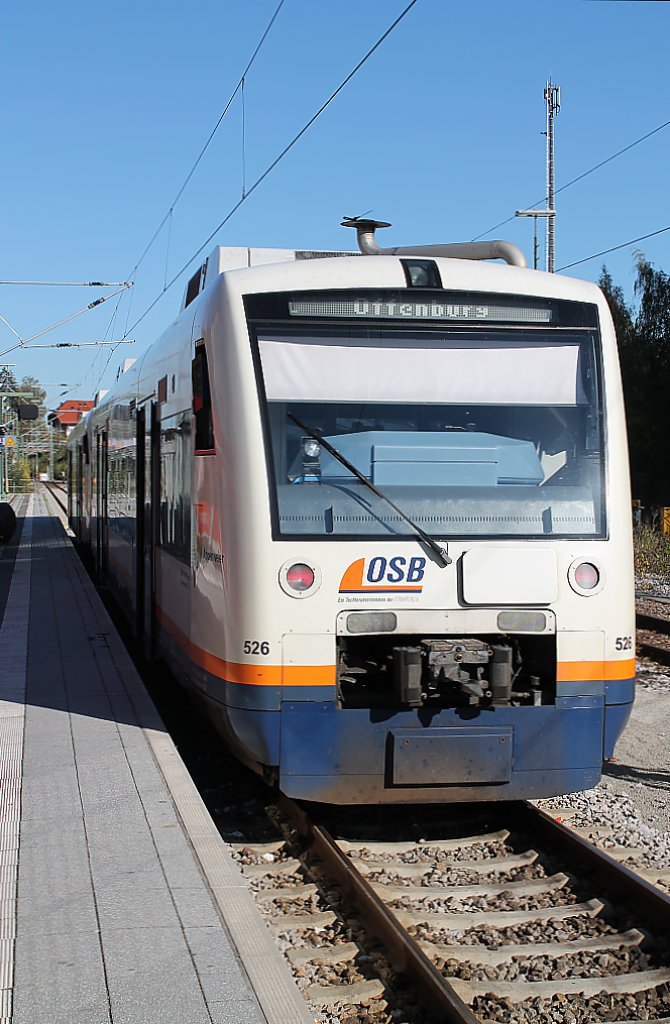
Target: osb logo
[{"x": 379, "y": 575}]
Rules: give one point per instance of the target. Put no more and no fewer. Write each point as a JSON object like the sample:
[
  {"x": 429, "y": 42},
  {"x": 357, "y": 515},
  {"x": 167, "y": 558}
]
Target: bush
[{"x": 652, "y": 555}]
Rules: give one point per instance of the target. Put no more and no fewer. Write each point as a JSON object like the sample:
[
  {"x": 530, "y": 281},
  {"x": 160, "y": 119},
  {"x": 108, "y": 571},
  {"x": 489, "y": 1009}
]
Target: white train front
[{"x": 375, "y": 511}]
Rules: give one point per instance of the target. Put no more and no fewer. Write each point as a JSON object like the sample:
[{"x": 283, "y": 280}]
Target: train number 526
[{"x": 256, "y": 647}]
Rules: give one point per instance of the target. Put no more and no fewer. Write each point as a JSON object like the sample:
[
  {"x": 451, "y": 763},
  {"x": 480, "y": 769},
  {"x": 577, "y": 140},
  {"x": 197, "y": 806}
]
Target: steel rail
[
  {"x": 655, "y": 652},
  {"x": 643, "y": 897},
  {"x": 541, "y": 828},
  {"x": 404, "y": 953},
  {"x": 642, "y": 595},
  {"x": 55, "y": 491},
  {"x": 653, "y": 622},
  {"x": 655, "y": 625}
]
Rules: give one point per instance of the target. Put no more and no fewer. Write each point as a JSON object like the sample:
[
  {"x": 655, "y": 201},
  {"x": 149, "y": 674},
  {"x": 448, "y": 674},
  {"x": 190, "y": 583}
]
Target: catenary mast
[{"x": 552, "y": 95}]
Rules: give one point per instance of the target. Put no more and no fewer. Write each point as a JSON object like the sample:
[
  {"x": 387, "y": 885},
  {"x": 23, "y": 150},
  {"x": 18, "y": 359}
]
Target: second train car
[{"x": 374, "y": 510}]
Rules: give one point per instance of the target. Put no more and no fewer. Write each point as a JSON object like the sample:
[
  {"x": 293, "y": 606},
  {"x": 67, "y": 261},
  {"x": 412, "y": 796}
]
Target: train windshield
[{"x": 495, "y": 433}]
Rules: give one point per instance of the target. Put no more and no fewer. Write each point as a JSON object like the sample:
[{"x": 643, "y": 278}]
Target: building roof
[{"x": 69, "y": 413}]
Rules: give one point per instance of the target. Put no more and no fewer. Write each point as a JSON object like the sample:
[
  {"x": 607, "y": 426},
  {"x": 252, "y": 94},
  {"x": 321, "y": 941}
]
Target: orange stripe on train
[
  {"x": 594, "y": 671},
  {"x": 250, "y": 675},
  {"x": 325, "y": 675}
]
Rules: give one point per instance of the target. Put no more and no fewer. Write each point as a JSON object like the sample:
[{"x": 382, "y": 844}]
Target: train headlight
[
  {"x": 311, "y": 467},
  {"x": 311, "y": 447},
  {"x": 585, "y": 578},
  {"x": 299, "y": 579}
]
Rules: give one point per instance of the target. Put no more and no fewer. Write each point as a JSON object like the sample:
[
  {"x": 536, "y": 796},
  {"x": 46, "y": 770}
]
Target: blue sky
[{"x": 106, "y": 108}]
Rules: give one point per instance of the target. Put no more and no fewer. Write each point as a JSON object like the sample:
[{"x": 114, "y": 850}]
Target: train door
[
  {"x": 71, "y": 484},
  {"x": 101, "y": 506},
  {"x": 74, "y": 490},
  {"x": 79, "y": 493},
  {"x": 140, "y": 464},
  {"x": 149, "y": 496}
]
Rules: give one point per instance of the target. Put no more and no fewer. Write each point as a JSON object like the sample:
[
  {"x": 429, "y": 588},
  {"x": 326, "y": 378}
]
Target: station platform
[{"x": 119, "y": 901}]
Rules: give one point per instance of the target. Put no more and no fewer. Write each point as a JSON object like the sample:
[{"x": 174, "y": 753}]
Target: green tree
[
  {"x": 643, "y": 336},
  {"x": 7, "y": 379},
  {"x": 7, "y": 384},
  {"x": 33, "y": 388},
  {"x": 622, "y": 314}
]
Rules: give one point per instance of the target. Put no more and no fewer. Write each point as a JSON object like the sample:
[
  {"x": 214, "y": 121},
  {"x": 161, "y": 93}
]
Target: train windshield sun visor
[
  {"x": 441, "y": 553},
  {"x": 429, "y": 368}
]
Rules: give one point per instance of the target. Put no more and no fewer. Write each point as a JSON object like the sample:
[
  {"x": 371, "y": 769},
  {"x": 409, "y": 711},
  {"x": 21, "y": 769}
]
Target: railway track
[
  {"x": 653, "y": 638},
  {"x": 517, "y": 919},
  {"x": 58, "y": 492},
  {"x": 525, "y": 921}
]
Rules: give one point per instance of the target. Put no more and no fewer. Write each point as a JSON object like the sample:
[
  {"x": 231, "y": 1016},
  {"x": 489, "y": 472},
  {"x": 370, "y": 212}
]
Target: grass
[{"x": 652, "y": 554}]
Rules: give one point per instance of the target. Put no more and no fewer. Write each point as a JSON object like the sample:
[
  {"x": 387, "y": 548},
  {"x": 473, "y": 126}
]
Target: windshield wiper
[{"x": 442, "y": 553}]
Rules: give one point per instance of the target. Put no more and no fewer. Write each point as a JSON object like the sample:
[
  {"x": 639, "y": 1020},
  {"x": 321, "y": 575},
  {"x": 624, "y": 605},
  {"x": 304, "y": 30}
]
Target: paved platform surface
[{"x": 118, "y": 901}]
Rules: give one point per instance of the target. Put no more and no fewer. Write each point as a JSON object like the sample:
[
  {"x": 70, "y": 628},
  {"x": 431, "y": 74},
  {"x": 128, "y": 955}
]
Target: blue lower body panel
[
  {"x": 325, "y": 753},
  {"x": 372, "y": 756},
  {"x": 435, "y": 757},
  {"x": 619, "y": 696}
]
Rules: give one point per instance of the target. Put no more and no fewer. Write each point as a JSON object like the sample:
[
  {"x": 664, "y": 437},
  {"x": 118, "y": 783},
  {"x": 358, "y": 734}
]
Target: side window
[
  {"x": 202, "y": 401},
  {"x": 175, "y": 487}
]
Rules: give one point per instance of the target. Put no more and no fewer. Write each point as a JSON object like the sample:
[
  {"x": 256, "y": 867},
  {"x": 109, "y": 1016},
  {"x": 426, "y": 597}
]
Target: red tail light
[
  {"x": 587, "y": 576},
  {"x": 300, "y": 576}
]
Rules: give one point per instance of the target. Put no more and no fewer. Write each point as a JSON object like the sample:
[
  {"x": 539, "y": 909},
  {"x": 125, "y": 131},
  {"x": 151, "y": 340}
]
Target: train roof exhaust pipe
[{"x": 494, "y": 250}]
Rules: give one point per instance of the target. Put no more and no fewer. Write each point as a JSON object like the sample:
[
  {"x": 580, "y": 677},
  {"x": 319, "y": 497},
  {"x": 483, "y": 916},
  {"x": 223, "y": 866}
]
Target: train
[{"x": 372, "y": 508}]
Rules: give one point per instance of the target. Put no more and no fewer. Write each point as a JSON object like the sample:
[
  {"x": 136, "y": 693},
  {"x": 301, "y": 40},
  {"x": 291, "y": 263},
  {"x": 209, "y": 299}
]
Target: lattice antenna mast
[{"x": 552, "y": 95}]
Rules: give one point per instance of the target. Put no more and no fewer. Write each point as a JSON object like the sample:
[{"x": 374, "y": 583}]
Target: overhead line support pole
[{"x": 552, "y": 95}]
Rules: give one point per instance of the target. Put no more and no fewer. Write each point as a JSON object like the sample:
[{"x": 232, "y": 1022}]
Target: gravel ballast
[{"x": 633, "y": 797}]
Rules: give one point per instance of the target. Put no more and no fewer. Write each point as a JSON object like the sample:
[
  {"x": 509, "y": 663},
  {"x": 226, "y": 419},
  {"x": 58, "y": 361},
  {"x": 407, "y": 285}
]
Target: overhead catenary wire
[
  {"x": 579, "y": 177},
  {"x": 24, "y": 342},
  {"x": 108, "y": 331},
  {"x": 73, "y": 316},
  {"x": 268, "y": 170},
  {"x": 182, "y": 189},
  {"x": 167, "y": 218},
  {"x": 85, "y": 344},
  {"x": 7, "y": 324},
  {"x": 244, "y": 144},
  {"x": 167, "y": 249},
  {"x": 70, "y": 284},
  {"x": 104, "y": 369},
  {"x": 121, "y": 285},
  {"x": 614, "y": 248}
]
